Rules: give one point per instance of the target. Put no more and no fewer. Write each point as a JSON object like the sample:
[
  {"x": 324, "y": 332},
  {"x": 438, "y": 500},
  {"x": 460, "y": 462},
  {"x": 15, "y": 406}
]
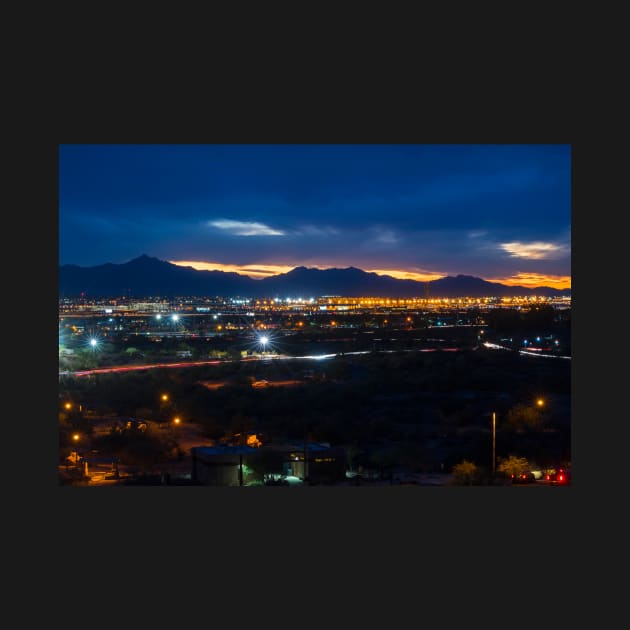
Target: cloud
[
  {"x": 314, "y": 230},
  {"x": 253, "y": 271},
  {"x": 245, "y": 228},
  {"x": 407, "y": 275},
  {"x": 382, "y": 235},
  {"x": 537, "y": 250},
  {"x": 533, "y": 280},
  {"x": 387, "y": 236}
]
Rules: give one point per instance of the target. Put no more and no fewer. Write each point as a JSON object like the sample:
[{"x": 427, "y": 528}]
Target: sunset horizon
[{"x": 264, "y": 270}]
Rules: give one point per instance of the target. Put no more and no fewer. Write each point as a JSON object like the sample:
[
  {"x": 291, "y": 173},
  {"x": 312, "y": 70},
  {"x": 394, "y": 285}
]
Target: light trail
[
  {"x": 280, "y": 357},
  {"x": 496, "y": 346}
]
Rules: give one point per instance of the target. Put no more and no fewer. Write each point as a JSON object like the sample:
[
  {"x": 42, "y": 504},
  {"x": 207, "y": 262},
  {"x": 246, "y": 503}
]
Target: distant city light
[
  {"x": 158, "y": 316},
  {"x": 174, "y": 317}
]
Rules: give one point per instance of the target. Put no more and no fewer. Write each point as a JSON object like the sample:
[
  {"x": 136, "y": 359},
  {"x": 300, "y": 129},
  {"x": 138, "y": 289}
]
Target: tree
[
  {"x": 513, "y": 465},
  {"x": 465, "y": 473}
]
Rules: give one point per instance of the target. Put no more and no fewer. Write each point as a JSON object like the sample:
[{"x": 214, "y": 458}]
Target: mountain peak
[
  {"x": 144, "y": 258},
  {"x": 150, "y": 276}
]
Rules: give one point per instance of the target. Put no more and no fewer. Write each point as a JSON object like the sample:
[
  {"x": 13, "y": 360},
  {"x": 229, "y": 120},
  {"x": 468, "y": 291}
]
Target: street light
[
  {"x": 539, "y": 403},
  {"x": 75, "y": 439},
  {"x": 494, "y": 439},
  {"x": 164, "y": 405}
]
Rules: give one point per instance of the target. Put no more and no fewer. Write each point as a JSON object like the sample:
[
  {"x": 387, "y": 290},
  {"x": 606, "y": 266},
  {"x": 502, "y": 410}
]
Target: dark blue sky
[{"x": 492, "y": 211}]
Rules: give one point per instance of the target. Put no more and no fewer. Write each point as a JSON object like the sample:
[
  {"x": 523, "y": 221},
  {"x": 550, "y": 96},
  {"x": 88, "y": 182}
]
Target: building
[
  {"x": 221, "y": 465},
  {"x": 249, "y": 465}
]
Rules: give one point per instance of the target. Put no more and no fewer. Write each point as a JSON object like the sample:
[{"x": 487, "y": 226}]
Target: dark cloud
[{"x": 449, "y": 208}]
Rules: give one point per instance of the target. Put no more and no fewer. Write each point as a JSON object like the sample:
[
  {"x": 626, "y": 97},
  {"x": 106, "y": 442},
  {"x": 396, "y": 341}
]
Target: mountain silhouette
[{"x": 146, "y": 277}]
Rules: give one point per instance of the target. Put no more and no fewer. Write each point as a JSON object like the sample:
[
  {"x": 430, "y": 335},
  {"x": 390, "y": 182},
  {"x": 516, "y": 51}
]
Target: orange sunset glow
[
  {"x": 263, "y": 270},
  {"x": 401, "y": 274},
  {"x": 253, "y": 271},
  {"x": 260, "y": 271},
  {"x": 532, "y": 280}
]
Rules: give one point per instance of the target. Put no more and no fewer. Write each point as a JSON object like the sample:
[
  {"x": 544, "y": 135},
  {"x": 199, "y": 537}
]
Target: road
[{"x": 266, "y": 358}]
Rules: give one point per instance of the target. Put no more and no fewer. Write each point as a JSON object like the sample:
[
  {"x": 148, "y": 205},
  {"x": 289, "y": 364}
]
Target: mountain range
[{"x": 146, "y": 276}]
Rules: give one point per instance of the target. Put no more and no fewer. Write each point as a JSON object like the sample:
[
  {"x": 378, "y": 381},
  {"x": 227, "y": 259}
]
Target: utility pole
[
  {"x": 494, "y": 426},
  {"x": 240, "y": 456},
  {"x": 305, "y": 452}
]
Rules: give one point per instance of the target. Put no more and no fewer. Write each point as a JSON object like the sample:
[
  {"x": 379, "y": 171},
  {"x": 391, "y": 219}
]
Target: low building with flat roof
[{"x": 235, "y": 465}]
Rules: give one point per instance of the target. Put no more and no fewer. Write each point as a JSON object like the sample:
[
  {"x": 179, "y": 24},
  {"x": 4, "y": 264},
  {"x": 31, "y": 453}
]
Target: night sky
[{"x": 498, "y": 212}]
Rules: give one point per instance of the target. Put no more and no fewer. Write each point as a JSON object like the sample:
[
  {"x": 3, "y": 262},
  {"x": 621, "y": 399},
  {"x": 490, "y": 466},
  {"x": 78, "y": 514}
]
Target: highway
[
  {"x": 281, "y": 357},
  {"x": 274, "y": 357}
]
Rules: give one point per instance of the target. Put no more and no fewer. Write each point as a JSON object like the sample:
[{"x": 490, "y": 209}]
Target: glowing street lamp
[
  {"x": 176, "y": 420},
  {"x": 540, "y": 402},
  {"x": 165, "y": 404},
  {"x": 264, "y": 340},
  {"x": 75, "y": 439}
]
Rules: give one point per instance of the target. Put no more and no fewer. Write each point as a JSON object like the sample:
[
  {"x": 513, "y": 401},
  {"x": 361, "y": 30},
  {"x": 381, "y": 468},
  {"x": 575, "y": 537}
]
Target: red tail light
[{"x": 561, "y": 478}]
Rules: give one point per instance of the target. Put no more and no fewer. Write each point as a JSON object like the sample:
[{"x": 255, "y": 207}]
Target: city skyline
[{"x": 421, "y": 212}]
